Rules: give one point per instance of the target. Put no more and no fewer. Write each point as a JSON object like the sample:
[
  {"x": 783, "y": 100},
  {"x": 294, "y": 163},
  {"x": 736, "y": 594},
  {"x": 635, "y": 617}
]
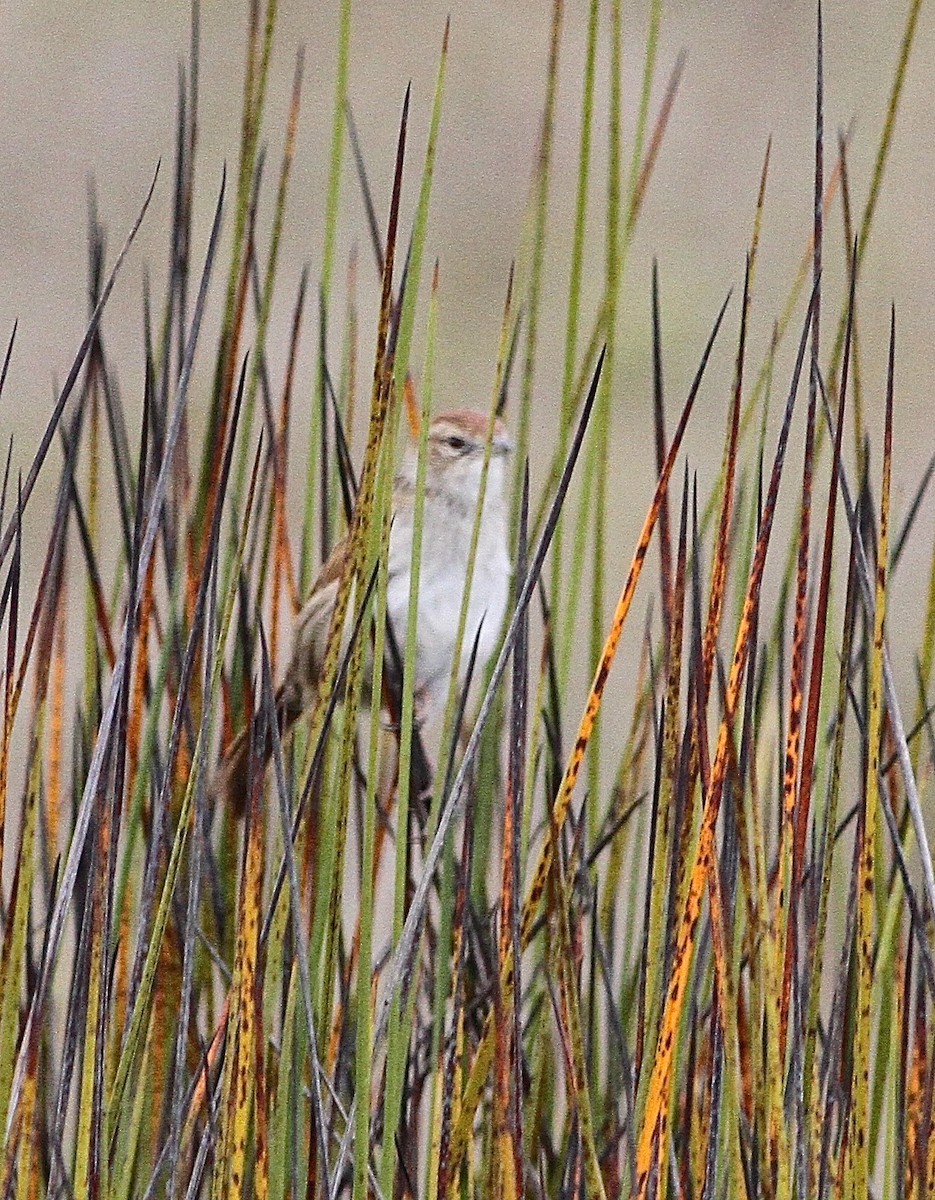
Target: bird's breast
[{"x": 443, "y": 572}]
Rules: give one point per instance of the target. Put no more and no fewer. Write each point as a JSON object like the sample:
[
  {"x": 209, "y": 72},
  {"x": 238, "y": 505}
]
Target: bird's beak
[{"x": 502, "y": 444}]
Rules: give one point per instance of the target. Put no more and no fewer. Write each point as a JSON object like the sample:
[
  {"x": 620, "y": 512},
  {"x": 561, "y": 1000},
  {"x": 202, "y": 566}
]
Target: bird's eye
[{"x": 456, "y": 443}]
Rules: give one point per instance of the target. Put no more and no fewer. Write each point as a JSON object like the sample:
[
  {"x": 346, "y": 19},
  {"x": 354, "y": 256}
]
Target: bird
[{"x": 456, "y": 450}]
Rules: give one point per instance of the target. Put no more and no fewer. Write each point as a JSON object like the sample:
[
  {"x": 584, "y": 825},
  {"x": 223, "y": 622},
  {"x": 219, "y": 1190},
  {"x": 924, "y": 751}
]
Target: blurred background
[{"x": 88, "y": 94}]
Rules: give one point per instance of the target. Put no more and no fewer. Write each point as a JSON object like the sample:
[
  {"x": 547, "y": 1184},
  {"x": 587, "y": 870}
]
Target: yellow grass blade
[{"x": 856, "y": 1170}]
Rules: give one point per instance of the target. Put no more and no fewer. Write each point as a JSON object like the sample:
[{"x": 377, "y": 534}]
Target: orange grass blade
[
  {"x": 661, "y": 844},
  {"x": 724, "y": 1012},
  {"x": 654, "y": 1119},
  {"x": 247, "y": 1027},
  {"x": 562, "y": 804}
]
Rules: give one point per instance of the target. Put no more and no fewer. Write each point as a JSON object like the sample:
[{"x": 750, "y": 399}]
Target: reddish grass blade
[
  {"x": 815, "y": 681},
  {"x": 655, "y": 143},
  {"x": 728, "y": 472}
]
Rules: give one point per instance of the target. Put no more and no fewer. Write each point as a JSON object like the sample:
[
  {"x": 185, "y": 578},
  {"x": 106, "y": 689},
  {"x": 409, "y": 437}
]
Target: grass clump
[{"x": 689, "y": 957}]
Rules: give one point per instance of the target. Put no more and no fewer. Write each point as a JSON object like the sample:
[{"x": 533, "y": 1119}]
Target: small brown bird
[{"x": 456, "y": 444}]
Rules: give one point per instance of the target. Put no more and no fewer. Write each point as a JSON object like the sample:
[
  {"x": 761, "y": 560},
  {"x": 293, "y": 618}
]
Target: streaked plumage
[{"x": 456, "y": 443}]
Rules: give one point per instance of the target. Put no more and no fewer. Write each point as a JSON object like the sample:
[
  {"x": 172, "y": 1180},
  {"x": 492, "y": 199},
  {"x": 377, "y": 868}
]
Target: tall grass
[{"x": 707, "y": 972}]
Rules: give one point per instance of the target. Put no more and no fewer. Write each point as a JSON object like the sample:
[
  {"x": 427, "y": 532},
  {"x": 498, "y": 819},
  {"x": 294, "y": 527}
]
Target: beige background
[{"x": 90, "y": 92}]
